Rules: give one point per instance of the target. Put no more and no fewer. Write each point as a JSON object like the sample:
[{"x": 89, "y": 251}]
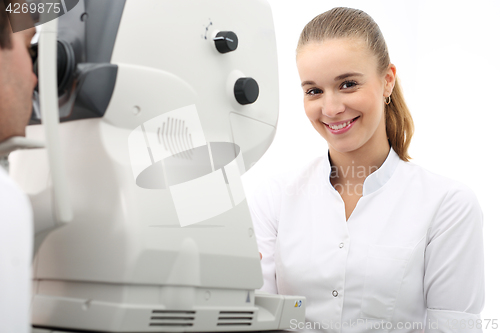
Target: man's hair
[{"x": 5, "y": 31}]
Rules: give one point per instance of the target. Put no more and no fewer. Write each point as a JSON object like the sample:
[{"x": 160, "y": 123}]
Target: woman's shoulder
[
  {"x": 303, "y": 173},
  {"x": 448, "y": 188},
  {"x": 284, "y": 189},
  {"x": 298, "y": 176}
]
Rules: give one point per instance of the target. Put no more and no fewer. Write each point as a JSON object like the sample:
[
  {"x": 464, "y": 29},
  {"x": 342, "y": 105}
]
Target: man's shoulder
[{"x": 12, "y": 198}]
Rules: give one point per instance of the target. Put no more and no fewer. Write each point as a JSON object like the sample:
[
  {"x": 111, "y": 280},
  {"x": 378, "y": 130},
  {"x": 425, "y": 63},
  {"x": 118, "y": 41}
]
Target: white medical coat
[
  {"x": 410, "y": 254},
  {"x": 16, "y": 252}
]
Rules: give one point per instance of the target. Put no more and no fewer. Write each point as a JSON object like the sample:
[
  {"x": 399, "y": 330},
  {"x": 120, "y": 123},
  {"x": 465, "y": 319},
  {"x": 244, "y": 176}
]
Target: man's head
[{"x": 17, "y": 79}]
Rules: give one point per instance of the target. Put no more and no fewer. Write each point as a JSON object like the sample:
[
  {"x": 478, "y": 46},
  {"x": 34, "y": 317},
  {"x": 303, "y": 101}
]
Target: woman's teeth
[{"x": 334, "y": 127}]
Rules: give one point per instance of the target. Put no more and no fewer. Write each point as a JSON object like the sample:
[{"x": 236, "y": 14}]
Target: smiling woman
[
  {"x": 344, "y": 100},
  {"x": 367, "y": 236}
]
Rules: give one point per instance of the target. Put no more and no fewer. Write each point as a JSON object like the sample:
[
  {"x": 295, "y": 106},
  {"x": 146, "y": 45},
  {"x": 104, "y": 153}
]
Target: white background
[{"x": 447, "y": 55}]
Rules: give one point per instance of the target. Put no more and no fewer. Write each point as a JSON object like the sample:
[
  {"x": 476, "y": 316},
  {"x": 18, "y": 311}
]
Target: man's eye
[
  {"x": 313, "y": 91},
  {"x": 348, "y": 84}
]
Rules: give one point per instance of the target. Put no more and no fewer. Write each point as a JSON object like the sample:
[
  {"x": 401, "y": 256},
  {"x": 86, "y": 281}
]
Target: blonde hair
[{"x": 342, "y": 22}]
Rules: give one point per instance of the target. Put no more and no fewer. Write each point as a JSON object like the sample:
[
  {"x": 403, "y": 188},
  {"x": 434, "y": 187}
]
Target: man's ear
[{"x": 389, "y": 80}]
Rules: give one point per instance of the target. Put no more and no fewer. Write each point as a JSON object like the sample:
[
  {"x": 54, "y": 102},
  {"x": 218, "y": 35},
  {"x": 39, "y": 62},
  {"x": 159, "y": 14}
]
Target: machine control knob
[
  {"x": 226, "y": 41},
  {"x": 246, "y": 90}
]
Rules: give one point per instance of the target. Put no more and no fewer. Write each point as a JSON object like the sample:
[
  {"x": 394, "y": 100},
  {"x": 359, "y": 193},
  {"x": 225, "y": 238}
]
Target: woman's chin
[{"x": 343, "y": 147}]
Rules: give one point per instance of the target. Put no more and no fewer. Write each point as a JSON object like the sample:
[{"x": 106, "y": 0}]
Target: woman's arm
[
  {"x": 263, "y": 209},
  {"x": 454, "y": 265}
]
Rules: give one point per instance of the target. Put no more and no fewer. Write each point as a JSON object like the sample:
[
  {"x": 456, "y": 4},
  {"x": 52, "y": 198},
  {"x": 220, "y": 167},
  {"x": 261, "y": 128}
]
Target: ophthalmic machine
[{"x": 150, "y": 111}]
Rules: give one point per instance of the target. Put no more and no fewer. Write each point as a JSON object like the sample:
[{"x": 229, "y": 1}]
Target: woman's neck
[{"x": 355, "y": 166}]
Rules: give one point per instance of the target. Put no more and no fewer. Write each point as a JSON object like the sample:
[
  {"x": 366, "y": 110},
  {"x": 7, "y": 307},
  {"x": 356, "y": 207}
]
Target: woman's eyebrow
[
  {"x": 338, "y": 78},
  {"x": 307, "y": 82},
  {"x": 346, "y": 75}
]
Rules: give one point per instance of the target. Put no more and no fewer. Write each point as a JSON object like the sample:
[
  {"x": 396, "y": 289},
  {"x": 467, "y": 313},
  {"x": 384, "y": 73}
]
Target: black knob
[
  {"x": 226, "y": 41},
  {"x": 246, "y": 90}
]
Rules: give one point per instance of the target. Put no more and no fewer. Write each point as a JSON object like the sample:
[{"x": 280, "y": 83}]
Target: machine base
[{"x": 265, "y": 312}]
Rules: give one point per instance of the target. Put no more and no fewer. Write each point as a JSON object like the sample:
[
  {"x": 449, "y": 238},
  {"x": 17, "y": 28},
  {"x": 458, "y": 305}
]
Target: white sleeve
[
  {"x": 16, "y": 252},
  {"x": 454, "y": 265},
  {"x": 264, "y": 209}
]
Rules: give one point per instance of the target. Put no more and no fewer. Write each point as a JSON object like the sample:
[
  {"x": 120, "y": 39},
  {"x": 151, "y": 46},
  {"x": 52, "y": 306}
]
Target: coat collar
[{"x": 378, "y": 178}]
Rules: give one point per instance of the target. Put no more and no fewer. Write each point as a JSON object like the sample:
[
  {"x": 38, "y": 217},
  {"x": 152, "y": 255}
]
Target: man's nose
[{"x": 35, "y": 80}]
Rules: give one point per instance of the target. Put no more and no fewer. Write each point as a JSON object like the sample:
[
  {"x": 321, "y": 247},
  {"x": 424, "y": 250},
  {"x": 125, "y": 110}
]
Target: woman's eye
[
  {"x": 348, "y": 84},
  {"x": 313, "y": 91}
]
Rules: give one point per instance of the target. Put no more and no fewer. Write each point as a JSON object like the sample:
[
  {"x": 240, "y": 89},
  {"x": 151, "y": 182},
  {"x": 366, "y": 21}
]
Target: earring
[{"x": 387, "y": 102}]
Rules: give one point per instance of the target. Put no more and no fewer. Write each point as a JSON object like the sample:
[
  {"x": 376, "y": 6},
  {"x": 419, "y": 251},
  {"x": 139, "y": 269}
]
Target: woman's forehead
[
  {"x": 335, "y": 55},
  {"x": 350, "y": 46}
]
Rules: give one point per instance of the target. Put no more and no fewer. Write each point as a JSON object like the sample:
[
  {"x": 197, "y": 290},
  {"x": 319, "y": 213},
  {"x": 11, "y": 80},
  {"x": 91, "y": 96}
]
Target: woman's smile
[{"x": 341, "y": 126}]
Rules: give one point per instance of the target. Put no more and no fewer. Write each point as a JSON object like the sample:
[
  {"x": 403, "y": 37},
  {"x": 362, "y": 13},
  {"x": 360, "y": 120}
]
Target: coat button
[
  {"x": 341, "y": 245},
  {"x": 335, "y": 293}
]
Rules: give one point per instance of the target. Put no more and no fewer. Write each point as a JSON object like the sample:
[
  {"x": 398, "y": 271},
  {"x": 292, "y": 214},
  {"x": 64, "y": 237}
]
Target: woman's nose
[{"x": 332, "y": 105}]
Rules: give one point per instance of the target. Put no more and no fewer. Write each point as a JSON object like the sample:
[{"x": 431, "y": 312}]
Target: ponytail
[{"x": 399, "y": 123}]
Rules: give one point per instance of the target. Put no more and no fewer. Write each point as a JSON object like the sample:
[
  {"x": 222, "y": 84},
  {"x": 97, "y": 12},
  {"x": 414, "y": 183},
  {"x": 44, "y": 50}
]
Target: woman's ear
[{"x": 390, "y": 80}]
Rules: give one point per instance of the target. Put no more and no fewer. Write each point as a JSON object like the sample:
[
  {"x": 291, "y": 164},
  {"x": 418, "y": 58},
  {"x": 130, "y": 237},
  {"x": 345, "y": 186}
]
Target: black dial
[
  {"x": 246, "y": 90},
  {"x": 226, "y": 41}
]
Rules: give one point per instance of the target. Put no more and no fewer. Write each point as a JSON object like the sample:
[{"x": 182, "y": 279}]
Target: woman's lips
[{"x": 337, "y": 128}]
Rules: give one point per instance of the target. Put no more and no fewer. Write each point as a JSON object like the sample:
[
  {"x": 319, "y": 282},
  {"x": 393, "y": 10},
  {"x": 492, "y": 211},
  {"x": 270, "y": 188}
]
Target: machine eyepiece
[{"x": 65, "y": 64}]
